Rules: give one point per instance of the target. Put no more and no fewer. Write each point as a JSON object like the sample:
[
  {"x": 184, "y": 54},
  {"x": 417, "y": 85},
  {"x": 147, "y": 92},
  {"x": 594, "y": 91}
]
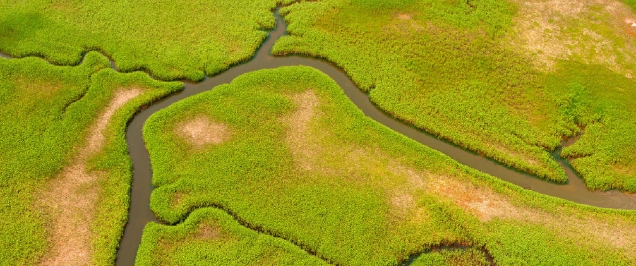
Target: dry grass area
[
  {"x": 299, "y": 122},
  {"x": 209, "y": 232},
  {"x": 403, "y": 185},
  {"x": 594, "y": 31},
  {"x": 487, "y": 205},
  {"x": 404, "y": 23},
  {"x": 201, "y": 132},
  {"x": 71, "y": 197}
]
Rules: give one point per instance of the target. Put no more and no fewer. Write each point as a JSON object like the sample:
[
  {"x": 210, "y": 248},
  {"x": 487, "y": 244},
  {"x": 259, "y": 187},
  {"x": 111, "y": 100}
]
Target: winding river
[{"x": 140, "y": 213}]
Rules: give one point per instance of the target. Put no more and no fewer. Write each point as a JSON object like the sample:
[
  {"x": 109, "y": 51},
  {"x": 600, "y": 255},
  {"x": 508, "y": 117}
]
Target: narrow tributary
[{"x": 140, "y": 213}]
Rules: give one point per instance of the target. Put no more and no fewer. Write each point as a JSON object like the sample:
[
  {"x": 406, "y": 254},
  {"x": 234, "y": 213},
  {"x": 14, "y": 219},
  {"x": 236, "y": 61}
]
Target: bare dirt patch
[
  {"x": 404, "y": 23},
  {"x": 209, "y": 232},
  {"x": 201, "y": 131},
  {"x": 595, "y": 31},
  {"x": 299, "y": 136},
  {"x": 487, "y": 205},
  {"x": 71, "y": 197}
]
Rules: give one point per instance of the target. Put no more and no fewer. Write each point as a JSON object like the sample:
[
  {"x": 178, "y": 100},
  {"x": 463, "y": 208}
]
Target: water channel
[{"x": 140, "y": 213}]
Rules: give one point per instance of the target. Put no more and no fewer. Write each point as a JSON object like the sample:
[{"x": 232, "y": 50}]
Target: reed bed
[{"x": 302, "y": 163}]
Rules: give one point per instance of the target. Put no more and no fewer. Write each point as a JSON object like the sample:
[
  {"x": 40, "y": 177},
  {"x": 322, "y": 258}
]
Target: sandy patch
[
  {"x": 404, "y": 16},
  {"x": 304, "y": 151},
  {"x": 71, "y": 197},
  {"x": 488, "y": 205},
  {"x": 201, "y": 131},
  {"x": 550, "y": 30},
  {"x": 209, "y": 232}
]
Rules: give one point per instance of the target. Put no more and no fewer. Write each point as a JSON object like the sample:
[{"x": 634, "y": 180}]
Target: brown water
[{"x": 140, "y": 213}]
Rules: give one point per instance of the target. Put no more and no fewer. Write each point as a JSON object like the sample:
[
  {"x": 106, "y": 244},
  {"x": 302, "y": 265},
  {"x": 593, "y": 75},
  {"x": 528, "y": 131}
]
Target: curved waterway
[{"x": 140, "y": 213}]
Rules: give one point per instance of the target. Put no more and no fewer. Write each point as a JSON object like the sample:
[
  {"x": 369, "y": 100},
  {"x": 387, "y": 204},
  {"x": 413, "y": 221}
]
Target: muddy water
[{"x": 140, "y": 213}]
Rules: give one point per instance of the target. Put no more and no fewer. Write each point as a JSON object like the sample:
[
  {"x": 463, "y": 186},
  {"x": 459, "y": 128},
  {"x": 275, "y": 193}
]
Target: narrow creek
[{"x": 140, "y": 213}]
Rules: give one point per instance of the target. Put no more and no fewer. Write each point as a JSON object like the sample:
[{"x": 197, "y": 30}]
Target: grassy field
[
  {"x": 212, "y": 235},
  {"x": 171, "y": 39},
  {"x": 285, "y": 152},
  {"x": 506, "y": 79},
  {"x": 50, "y": 116}
]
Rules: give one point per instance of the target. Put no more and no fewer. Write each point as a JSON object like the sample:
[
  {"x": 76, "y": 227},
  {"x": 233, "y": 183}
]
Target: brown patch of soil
[
  {"x": 71, "y": 197},
  {"x": 209, "y": 232},
  {"x": 404, "y": 16},
  {"x": 550, "y": 30},
  {"x": 298, "y": 137},
  {"x": 201, "y": 131},
  {"x": 485, "y": 204},
  {"x": 480, "y": 201}
]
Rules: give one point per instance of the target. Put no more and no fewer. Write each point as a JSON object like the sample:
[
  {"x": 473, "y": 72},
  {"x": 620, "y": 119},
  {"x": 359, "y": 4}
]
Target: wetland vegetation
[
  {"x": 279, "y": 167},
  {"x": 294, "y": 158},
  {"x": 65, "y": 170},
  {"x": 508, "y": 79}
]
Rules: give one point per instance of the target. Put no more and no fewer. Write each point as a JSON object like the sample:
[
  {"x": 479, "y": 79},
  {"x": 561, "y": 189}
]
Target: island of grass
[
  {"x": 65, "y": 171},
  {"x": 507, "y": 79},
  {"x": 285, "y": 153}
]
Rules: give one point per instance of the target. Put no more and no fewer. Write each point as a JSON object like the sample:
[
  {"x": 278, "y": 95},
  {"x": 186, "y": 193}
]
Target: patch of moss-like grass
[
  {"x": 170, "y": 39},
  {"x": 47, "y": 111},
  {"x": 210, "y": 236},
  {"x": 304, "y": 164},
  {"x": 466, "y": 71}
]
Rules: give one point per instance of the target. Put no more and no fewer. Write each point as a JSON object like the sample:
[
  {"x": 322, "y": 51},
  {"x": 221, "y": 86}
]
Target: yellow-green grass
[
  {"x": 300, "y": 162},
  {"x": 212, "y": 237},
  {"x": 47, "y": 112},
  {"x": 463, "y": 71},
  {"x": 170, "y": 39},
  {"x": 465, "y": 256}
]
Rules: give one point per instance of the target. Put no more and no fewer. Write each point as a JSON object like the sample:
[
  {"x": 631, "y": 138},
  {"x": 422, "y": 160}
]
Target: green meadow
[
  {"x": 47, "y": 115},
  {"x": 508, "y": 80},
  {"x": 292, "y": 157},
  {"x": 280, "y": 168},
  {"x": 170, "y": 39}
]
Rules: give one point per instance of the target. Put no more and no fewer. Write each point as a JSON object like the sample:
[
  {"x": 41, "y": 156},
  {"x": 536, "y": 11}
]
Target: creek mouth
[{"x": 140, "y": 213}]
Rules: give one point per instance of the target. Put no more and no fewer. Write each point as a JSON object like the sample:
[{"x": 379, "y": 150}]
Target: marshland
[{"x": 341, "y": 132}]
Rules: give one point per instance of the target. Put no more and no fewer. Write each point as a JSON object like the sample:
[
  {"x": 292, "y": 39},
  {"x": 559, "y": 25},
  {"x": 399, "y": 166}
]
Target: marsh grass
[
  {"x": 170, "y": 39},
  {"x": 47, "y": 111},
  {"x": 210, "y": 236},
  {"x": 304, "y": 164},
  {"x": 458, "y": 69}
]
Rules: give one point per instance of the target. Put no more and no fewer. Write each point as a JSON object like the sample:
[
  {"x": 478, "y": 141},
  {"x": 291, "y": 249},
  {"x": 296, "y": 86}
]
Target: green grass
[
  {"x": 171, "y": 39},
  {"x": 448, "y": 67},
  {"x": 46, "y": 113},
  {"x": 212, "y": 237},
  {"x": 351, "y": 190}
]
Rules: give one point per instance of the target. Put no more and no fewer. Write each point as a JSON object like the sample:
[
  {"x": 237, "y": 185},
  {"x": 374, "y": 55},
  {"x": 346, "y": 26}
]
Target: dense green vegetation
[
  {"x": 171, "y": 39},
  {"x": 455, "y": 68},
  {"x": 304, "y": 164},
  {"x": 464, "y": 256},
  {"x": 46, "y": 112},
  {"x": 212, "y": 237}
]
